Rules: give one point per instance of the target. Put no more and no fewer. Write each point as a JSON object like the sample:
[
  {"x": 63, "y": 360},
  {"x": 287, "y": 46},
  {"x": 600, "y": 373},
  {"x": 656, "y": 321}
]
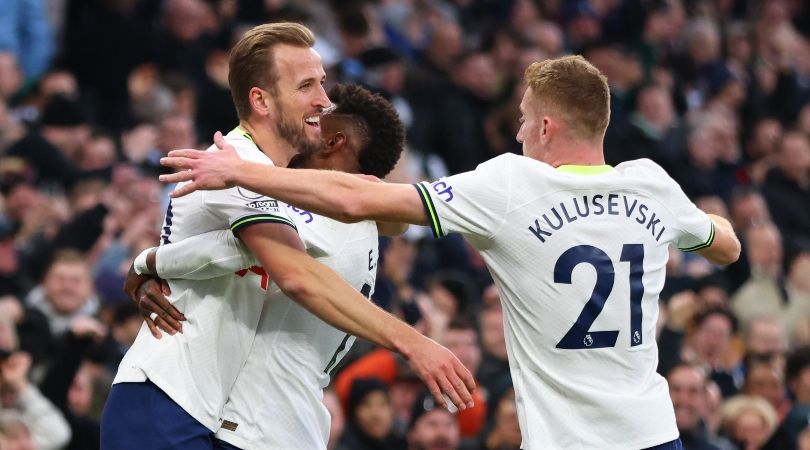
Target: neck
[
  {"x": 577, "y": 153},
  {"x": 271, "y": 144}
]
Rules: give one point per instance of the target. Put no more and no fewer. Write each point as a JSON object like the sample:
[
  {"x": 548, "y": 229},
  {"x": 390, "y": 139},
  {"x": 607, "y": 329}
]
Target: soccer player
[
  {"x": 170, "y": 393},
  {"x": 577, "y": 248},
  {"x": 276, "y": 401}
]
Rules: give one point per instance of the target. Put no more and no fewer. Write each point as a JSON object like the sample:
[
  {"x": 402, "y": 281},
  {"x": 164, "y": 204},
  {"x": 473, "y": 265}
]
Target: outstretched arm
[
  {"x": 333, "y": 194},
  {"x": 323, "y": 293}
]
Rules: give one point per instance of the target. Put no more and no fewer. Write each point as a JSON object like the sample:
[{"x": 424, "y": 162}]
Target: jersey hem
[
  {"x": 259, "y": 218},
  {"x": 646, "y": 443},
  {"x": 231, "y": 438},
  {"x": 708, "y": 242},
  {"x": 430, "y": 210}
]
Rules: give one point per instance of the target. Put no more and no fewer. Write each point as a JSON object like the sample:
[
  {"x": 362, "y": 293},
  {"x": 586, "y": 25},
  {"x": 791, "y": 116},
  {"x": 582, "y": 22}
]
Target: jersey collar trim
[
  {"x": 585, "y": 170},
  {"x": 241, "y": 132}
]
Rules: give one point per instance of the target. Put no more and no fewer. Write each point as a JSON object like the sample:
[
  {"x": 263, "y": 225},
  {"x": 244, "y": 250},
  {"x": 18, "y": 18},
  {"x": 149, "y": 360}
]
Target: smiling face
[
  {"x": 299, "y": 97},
  {"x": 687, "y": 388}
]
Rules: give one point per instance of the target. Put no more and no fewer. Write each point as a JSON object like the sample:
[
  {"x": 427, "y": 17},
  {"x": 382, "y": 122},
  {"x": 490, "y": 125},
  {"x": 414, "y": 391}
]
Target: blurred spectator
[
  {"x": 764, "y": 337},
  {"x": 66, "y": 292},
  {"x": 504, "y": 433},
  {"x": 14, "y": 433},
  {"x": 701, "y": 170},
  {"x": 25, "y": 414},
  {"x": 761, "y": 148},
  {"x": 53, "y": 149},
  {"x": 687, "y": 387},
  {"x": 370, "y": 418},
  {"x": 114, "y": 32},
  {"x": 710, "y": 346},
  {"x": 384, "y": 72},
  {"x": 494, "y": 362},
  {"x": 797, "y": 375},
  {"x": 11, "y": 78},
  {"x": 10, "y": 284},
  {"x": 69, "y": 384},
  {"x": 764, "y": 380},
  {"x": 215, "y": 110},
  {"x": 24, "y": 30},
  {"x": 653, "y": 130},
  {"x": 749, "y": 421},
  {"x": 748, "y": 208},
  {"x": 184, "y": 43},
  {"x": 787, "y": 189},
  {"x": 457, "y": 128},
  {"x": 174, "y": 131},
  {"x": 432, "y": 427},
  {"x": 461, "y": 338},
  {"x": 767, "y": 292}
]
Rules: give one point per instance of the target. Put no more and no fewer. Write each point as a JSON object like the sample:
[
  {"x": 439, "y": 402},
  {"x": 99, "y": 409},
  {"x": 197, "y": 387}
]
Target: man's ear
[
  {"x": 336, "y": 142},
  {"x": 261, "y": 102},
  {"x": 546, "y": 129}
]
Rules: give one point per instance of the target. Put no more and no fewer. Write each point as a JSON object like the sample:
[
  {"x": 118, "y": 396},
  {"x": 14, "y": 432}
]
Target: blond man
[{"x": 577, "y": 248}]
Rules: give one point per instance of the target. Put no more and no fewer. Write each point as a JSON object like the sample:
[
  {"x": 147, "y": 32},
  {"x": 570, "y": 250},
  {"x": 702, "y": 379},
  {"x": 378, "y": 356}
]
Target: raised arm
[
  {"x": 322, "y": 292},
  {"x": 333, "y": 194}
]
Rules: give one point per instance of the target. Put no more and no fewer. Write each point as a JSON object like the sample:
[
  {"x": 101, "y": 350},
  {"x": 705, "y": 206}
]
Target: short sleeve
[
  {"x": 473, "y": 203},
  {"x": 241, "y": 208},
  {"x": 696, "y": 230}
]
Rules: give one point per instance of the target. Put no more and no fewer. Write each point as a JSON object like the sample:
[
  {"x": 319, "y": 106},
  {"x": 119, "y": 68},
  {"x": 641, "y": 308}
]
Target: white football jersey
[
  {"x": 578, "y": 254},
  {"x": 197, "y": 368},
  {"x": 276, "y": 402}
]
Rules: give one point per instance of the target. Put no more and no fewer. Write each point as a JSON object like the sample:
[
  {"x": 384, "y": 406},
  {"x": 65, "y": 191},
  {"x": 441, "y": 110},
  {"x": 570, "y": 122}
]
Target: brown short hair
[
  {"x": 575, "y": 90},
  {"x": 252, "y": 64}
]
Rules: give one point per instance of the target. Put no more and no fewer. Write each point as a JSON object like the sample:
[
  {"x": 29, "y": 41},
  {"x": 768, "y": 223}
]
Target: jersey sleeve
[
  {"x": 241, "y": 208},
  {"x": 205, "y": 256},
  {"x": 473, "y": 203},
  {"x": 695, "y": 229}
]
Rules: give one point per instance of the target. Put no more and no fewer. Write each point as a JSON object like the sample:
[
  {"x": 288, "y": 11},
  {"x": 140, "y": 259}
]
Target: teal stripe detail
[
  {"x": 430, "y": 209},
  {"x": 703, "y": 245}
]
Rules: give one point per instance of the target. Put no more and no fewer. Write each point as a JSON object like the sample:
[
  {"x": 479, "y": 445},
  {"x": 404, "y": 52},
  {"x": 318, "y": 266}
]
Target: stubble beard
[{"x": 294, "y": 135}]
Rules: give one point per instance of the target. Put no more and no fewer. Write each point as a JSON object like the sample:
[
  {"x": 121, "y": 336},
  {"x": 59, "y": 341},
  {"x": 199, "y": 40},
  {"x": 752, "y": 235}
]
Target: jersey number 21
[{"x": 580, "y": 336}]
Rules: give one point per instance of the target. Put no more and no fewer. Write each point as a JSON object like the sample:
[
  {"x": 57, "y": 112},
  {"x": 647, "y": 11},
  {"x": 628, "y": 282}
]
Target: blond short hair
[
  {"x": 252, "y": 64},
  {"x": 575, "y": 91},
  {"x": 738, "y": 405}
]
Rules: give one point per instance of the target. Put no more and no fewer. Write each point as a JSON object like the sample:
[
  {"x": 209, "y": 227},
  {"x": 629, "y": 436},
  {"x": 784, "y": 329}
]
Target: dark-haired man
[
  {"x": 170, "y": 393},
  {"x": 276, "y": 399}
]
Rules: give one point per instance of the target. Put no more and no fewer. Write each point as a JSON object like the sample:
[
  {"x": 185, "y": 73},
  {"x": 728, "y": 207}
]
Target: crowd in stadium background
[{"x": 94, "y": 92}]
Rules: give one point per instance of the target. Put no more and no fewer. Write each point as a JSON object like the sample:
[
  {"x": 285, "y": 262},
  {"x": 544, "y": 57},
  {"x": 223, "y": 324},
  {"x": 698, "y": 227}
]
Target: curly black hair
[{"x": 384, "y": 133}]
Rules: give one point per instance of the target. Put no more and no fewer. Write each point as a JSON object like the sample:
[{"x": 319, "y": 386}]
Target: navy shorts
[
  {"x": 140, "y": 416},
  {"x": 671, "y": 445}
]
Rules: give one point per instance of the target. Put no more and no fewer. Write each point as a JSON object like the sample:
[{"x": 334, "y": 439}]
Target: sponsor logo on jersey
[
  {"x": 264, "y": 205},
  {"x": 443, "y": 190}
]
